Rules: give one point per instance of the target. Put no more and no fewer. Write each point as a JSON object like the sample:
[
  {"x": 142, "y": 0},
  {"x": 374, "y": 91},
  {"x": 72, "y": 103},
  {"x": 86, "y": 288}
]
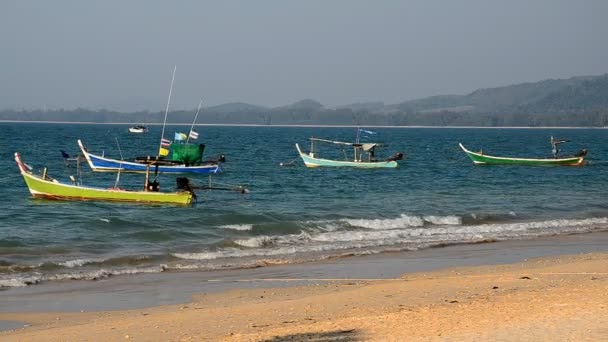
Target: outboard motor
[
  {"x": 396, "y": 156},
  {"x": 581, "y": 153},
  {"x": 153, "y": 186},
  {"x": 216, "y": 160},
  {"x": 183, "y": 183}
]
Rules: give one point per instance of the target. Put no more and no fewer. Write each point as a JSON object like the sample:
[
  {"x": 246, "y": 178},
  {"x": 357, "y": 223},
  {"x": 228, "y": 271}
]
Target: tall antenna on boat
[
  {"x": 162, "y": 134},
  {"x": 193, "y": 121}
]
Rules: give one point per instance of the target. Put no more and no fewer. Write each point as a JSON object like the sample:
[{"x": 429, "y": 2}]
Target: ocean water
[{"x": 291, "y": 214}]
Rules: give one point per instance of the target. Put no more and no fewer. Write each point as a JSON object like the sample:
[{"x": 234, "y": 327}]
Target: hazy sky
[{"x": 119, "y": 54}]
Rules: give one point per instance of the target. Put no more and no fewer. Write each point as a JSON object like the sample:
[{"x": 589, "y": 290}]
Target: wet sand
[{"x": 436, "y": 294}]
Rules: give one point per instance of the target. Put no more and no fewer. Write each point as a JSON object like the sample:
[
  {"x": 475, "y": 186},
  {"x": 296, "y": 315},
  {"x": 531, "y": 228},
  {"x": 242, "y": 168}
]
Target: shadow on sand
[{"x": 330, "y": 336}]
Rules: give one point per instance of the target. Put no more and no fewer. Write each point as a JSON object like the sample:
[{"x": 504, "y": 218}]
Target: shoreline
[
  {"x": 126, "y": 292},
  {"x": 296, "y": 126},
  {"x": 343, "y": 294},
  {"x": 560, "y": 297}
]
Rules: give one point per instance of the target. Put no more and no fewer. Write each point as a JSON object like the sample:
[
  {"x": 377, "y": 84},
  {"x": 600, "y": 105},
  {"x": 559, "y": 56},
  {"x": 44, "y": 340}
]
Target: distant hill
[
  {"x": 235, "y": 107},
  {"x": 576, "y": 101},
  {"x": 539, "y": 95},
  {"x": 369, "y": 106},
  {"x": 591, "y": 94},
  {"x": 302, "y": 105}
]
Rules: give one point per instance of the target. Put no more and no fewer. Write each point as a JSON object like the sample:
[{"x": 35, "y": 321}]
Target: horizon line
[{"x": 302, "y": 126}]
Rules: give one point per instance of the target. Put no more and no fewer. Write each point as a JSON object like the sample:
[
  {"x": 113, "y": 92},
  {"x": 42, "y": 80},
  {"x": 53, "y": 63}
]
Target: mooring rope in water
[{"x": 289, "y": 163}]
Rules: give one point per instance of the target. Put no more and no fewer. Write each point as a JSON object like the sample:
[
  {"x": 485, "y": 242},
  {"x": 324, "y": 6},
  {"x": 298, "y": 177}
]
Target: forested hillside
[{"x": 577, "y": 101}]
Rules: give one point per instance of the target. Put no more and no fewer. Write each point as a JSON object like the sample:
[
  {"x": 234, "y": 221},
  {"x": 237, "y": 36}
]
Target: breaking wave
[
  {"x": 243, "y": 247},
  {"x": 241, "y": 227},
  {"x": 408, "y": 231}
]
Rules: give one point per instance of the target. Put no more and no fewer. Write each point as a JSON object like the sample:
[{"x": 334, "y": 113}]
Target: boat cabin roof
[{"x": 366, "y": 146}]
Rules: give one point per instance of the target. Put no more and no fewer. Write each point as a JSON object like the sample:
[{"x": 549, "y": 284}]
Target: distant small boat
[
  {"x": 43, "y": 186},
  {"x": 138, "y": 129},
  {"x": 364, "y": 155},
  {"x": 480, "y": 158}
]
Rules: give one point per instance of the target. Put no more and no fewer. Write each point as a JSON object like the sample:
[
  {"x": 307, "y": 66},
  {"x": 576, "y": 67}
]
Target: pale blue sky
[{"x": 119, "y": 54}]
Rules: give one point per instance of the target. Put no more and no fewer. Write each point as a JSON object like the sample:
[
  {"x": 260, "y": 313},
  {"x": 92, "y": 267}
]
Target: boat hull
[
  {"x": 137, "y": 130},
  {"x": 103, "y": 164},
  {"x": 52, "y": 189},
  {"x": 320, "y": 162},
  {"x": 482, "y": 159}
]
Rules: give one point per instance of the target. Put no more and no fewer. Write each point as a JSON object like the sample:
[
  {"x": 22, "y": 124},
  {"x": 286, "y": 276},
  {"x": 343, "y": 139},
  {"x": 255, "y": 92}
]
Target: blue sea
[{"x": 291, "y": 214}]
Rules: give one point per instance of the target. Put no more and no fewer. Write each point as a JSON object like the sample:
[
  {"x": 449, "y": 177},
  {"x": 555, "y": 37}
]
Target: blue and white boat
[
  {"x": 138, "y": 129},
  {"x": 102, "y": 164},
  {"x": 187, "y": 157},
  {"x": 364, "y": 155}
]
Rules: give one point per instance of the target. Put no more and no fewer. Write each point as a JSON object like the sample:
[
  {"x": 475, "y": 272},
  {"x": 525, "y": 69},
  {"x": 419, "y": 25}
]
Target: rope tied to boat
[{"x": 289, "y": 163}]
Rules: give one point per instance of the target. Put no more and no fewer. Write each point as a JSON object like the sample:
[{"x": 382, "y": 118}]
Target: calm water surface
[{"x": 437, "y": 197}]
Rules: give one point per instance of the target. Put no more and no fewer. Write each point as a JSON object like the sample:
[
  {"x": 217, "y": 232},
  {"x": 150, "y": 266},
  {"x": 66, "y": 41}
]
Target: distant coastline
[
  {"x": 296, "y": 126},
  {"x": 565, "y": 103}
]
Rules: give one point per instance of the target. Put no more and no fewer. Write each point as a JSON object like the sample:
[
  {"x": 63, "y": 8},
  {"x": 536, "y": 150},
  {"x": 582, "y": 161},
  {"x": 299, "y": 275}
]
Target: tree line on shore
[{"x": 575, "y": 102}]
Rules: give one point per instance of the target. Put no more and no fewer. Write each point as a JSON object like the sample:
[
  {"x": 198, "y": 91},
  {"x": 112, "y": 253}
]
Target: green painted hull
[
  {"x": 318, "y": 162},
  {"x": 52, "y": 189},
  {"x": 482, "y": 159}
]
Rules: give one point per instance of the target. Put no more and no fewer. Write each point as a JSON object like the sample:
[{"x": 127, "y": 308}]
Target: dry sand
[{"x": 547, "y": 299}]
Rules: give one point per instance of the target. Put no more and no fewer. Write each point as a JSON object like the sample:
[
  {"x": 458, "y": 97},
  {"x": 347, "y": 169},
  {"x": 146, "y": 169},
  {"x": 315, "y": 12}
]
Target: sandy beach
[{"x": 559, "y": 298}]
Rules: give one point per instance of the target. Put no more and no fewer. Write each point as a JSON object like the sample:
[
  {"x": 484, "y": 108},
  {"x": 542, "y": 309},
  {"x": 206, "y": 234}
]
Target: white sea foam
[
  {"x": 269, "y": 241},
  {"x": 451, "y": 220},
  {"x": 89, "y": 275},
  {"x": 237, "y": 253},
  {"x": 19, "y": 282},
  {"x": 413, "y": 237},
  {"x": 201, "y": 255},
  {"x": 386, "y": 234},
  {"x": 404, "y": 221},
  {"x": 241, "y": 227},
  {"x": 77, "y": 262},
  {"x": 258, "y": 241},
  {"x": 325, "y": 225},
  {"x": 105, "y": 273}
]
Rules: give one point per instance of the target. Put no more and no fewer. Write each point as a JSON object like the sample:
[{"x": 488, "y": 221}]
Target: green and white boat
[
  {"x": 480, "y": 158},
  {"x": 43, "y": 186},
  {"x": 363, "y": 155}
]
